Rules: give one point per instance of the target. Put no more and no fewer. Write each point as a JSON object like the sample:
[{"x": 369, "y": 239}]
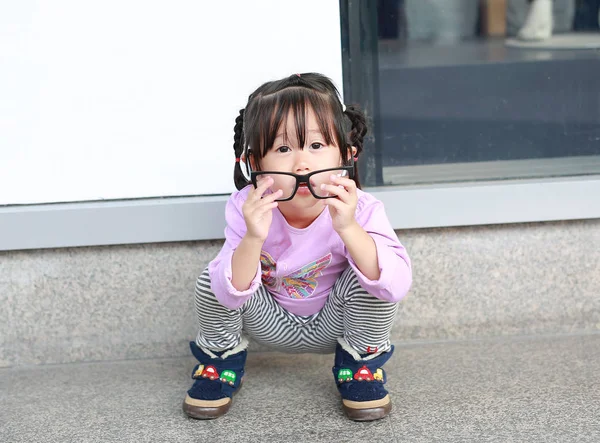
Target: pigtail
[
  {"x": 238, "y": 147},
  {"x": 358, "y": 130}
]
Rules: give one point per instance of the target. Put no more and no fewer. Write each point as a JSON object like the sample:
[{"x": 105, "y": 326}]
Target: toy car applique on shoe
[
  {"x": 378, "y": 375},
  {"x": 228, "y": 377},
  {"x": 363, "y": 374},
  {"x": 344, "y": 375},
  {"x": 198, "y": 372},
  {"x": 210, "y": 372}
]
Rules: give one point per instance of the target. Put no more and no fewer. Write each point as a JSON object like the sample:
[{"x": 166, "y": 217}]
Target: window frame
[{"x": 179, "y": 219}]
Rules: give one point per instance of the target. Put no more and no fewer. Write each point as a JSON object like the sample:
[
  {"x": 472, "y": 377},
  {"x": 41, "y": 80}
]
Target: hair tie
[
  {"x": 299, "y": 75},
  {"x": 237, "y": 159}
]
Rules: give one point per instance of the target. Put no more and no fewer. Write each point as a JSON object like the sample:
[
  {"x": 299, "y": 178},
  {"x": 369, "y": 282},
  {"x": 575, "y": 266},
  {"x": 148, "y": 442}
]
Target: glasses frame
[{"x": 302, "y": 179}]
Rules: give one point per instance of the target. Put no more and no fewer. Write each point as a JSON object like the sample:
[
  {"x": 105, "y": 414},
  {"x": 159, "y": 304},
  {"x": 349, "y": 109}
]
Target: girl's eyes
[{"x": 314, "y": 146}]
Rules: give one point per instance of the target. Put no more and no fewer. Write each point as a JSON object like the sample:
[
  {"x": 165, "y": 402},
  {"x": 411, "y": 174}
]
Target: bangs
[
  {"x": 273, "y": 110},
  {"x": 266, "y": 114}
]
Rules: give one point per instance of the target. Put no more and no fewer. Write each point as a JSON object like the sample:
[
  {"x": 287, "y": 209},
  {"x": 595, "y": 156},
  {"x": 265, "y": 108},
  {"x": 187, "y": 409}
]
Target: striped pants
[{"x": 350, "y": 314}]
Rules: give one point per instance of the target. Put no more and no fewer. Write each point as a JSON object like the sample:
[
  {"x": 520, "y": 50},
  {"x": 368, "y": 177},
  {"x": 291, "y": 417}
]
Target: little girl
[{"x": 310, "y": 262}]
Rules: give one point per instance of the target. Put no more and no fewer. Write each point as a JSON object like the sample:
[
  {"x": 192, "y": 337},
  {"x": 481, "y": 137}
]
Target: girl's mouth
[{"x": 303, "y": 189}]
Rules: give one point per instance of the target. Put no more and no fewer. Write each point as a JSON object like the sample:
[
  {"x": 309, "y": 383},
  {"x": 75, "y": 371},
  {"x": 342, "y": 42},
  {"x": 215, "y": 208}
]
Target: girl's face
[{"x": 287, "y": 156}]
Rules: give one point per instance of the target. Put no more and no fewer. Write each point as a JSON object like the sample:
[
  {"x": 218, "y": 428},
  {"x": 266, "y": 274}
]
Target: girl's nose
[
  {"x": 301, "y": 164},
  {"x": 301, "y": 169}
]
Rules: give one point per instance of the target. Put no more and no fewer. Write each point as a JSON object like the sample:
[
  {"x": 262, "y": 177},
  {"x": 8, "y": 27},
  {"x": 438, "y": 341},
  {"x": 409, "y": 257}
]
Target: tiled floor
[{"x": 524, "y": 389}]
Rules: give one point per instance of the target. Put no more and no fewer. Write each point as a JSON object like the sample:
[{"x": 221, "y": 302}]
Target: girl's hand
[
  {"x": 258, "y": 211},
  {"x": 343, "y": 207}
]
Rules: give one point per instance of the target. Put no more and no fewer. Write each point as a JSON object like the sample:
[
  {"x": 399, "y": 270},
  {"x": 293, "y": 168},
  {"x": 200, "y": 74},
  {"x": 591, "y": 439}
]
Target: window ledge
[{"x": 202, "y": 217}]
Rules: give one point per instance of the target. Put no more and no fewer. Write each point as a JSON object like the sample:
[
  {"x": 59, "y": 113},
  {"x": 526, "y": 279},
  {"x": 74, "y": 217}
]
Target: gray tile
[
  {"x": 284, "y": 399},
  {"x": 518, "y": 389},
  {"x": 522, "y": 389}
]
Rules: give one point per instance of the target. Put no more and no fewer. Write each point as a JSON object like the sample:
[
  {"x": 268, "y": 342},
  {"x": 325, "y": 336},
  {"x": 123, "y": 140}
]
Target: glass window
[{"x": 461, "y": 90}]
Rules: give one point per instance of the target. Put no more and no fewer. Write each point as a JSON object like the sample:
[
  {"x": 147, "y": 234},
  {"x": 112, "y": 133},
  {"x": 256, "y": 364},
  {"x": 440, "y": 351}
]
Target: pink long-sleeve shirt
[{"x": 300, "y": 266}]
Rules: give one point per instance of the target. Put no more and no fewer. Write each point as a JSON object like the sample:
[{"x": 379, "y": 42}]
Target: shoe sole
[
  {"x": 367, "y": 410},
  {"x": 207, "y": 409}
]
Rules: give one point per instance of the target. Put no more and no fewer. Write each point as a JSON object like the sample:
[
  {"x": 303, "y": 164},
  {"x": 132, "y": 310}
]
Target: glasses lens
[
  {"x": 320, "y": 178},
  {"x": 286, "y": 183}
]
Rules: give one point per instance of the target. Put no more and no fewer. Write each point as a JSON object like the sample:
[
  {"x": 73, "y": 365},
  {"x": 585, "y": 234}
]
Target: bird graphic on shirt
[{"x": 300, "y": 283}]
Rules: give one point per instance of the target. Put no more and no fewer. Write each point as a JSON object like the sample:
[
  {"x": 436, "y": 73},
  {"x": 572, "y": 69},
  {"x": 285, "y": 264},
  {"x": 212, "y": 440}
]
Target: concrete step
[
  {"x": 527, "y": 389},
  {"x": 130, "y": 302}
]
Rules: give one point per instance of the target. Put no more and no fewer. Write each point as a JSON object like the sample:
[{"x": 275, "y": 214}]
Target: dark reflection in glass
[{"x": 477, "y": 90}]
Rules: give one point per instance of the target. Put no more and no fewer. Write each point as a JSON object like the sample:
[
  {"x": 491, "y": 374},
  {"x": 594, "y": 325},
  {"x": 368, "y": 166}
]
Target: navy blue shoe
[
  {"x": 215, "y": 382},
  {"x": 360, "y": 383}
]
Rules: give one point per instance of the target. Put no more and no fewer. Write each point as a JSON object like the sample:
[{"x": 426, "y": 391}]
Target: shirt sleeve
[
  {"x": 220, "y": 268},
  {"x": 395, "y": 267}
]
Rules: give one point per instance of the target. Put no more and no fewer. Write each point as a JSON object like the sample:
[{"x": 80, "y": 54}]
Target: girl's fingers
[
  {"x": 267, "y": 200},
  {"x": 337, "y": 204},
  {"x": 270, "y": 197},
  {"x": 336, "y": 190},
  {"x": 262, "y": 187},
  {"x": 261, "y": 210},
  {"x": 346, "y": 182}
]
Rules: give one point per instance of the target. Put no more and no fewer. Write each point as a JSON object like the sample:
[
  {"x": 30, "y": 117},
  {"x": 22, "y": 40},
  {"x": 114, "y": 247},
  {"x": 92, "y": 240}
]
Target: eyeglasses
[{"x": 289, "y": 183}]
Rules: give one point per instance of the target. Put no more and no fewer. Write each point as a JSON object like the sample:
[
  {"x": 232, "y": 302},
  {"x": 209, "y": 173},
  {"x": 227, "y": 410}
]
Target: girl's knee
[
  {"x": 205, "y": 275},
  {"x": 203, "y": 287}
]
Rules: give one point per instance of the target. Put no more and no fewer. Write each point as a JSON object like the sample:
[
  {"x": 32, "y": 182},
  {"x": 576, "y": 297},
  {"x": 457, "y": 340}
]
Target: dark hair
[{"x": 268, "y": 107}]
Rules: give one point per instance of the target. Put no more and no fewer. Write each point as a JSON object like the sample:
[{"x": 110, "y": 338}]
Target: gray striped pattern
[{"x": 350, "y": 312}]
